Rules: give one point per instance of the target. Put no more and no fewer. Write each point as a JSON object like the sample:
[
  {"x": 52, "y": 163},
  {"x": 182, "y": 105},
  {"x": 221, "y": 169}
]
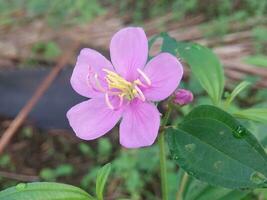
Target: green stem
[
  {"x": 162, "y": 155},
  {"x": 163, "y": 170},
  {"x": 181, "y": 189}
]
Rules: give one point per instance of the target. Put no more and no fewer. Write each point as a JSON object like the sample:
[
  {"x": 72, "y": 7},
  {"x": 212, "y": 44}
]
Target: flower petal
[
  {"x": 91, "y": 61},
  {"x": 140, "y": 125},
  {"x": 165, "y": 73},
  {"x": 92, "y": 119},
  {"x": 129, "y": 51}
]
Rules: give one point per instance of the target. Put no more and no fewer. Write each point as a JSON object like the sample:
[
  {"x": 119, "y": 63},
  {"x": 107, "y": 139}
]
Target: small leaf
[
  {"x": 239, "y": 88},
  {"x": 48, "y": 174},
  {"x": 214, "y": 147},
  {"x": 64, "y": 170},
  {"x": 101, "y": 180},
  {"x": 169, "y": 44},
  {"x": 44, "y": 191},
  {"x": 258, "y": 60},
  {"x": 206, "y": 67},
  {"x": 104, "y": 149},
  {"x": 152, "y": 40},
  {"x": 86, "y": 149},
  {"x": 204, "y": 64},
  {"x": 254, "y": 114}
]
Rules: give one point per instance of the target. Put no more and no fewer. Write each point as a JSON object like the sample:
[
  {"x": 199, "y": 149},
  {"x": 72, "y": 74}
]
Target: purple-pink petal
[
  {"x": 129, "y": 51},
  {"x": 92, "y": 119},
  {"x": 89, "y": 61},
  {"x": 140, "y": 125},
  {"x": 165, "y": 73}
]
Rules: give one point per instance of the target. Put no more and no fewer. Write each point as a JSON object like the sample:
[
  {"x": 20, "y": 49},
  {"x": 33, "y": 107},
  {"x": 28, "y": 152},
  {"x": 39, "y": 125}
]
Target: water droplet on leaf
[
  {"x": 221, "y": 132},
  {"x": 21, "y": 186},
  {"x": 190, "y": 147},
  {"x": 239, "y": 132},
  {"x": 258, "y": 178},
  {"x": 175, "y": 157}
]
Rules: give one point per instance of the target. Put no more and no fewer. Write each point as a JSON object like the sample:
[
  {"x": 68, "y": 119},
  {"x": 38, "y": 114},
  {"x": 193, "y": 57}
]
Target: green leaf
[
  {"x": 261, "y": 193},
  {"x": 49, "y": 50},
  {"x": 48, "y": 174},
  {"x": 258, "y": 60},
  {"x": 104, "y": 149},
  {"x": 5, "y": 160},
  {"x": 214, "y": 147},
  {"x": 152, "y": 40},
  {"x": 204, "y": 64},
  {"x": 64, "y": 170},
  {"x": 101, "y": 180},
  {"x": 254, "y": 114},
  {"x": 206, "y": 67},
  {"x": 169, "y": 44},
  {"x": 239, "y": 88},
  {"x": 86, "y": 149},
  {"x": 44, "y": 191},
  {"x": 197, "y": 190}
]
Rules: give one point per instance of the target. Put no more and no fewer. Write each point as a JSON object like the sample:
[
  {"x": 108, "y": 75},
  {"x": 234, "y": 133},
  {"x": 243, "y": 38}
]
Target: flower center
[
  {"x": 124, "y": 88},
  {"x": 118, "y": 86}
]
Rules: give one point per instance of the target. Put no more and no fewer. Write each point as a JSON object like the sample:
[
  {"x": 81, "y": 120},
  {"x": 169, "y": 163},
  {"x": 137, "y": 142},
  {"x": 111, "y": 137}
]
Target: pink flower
[
  {"x": 183, "y": 97},
  {"x": 123, "y": 90}
]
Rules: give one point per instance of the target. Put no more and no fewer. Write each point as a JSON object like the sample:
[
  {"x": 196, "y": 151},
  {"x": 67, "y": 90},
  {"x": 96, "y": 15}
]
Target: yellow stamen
[{"x": 126, "y": 88}]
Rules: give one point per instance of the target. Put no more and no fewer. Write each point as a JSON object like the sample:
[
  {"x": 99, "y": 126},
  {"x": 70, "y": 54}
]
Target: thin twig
[
  {"x": 19, "y": 177},
  {"x": 181, "y": 189},
  {"x": 245, "y": 68}
]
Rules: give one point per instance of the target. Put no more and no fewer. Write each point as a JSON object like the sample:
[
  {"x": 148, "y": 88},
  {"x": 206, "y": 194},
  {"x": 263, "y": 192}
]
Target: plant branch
[
  {"x": 162, "y": 154},
  {"x": 181, "y": 189}
]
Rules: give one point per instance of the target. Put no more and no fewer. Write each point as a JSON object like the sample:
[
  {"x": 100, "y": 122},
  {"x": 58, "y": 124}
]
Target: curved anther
[
  {"x": 109, "y": 104},
  {"x": 99, "y": 86},
  {"x": 148, "y": 81},
  {"x": 121, "y": 100},
  {"x": 140, "y": 93},
  {"x": 94, "y": 84},
  {"x": 138, "y": 82},
  {"x": 88, "y": 81}
]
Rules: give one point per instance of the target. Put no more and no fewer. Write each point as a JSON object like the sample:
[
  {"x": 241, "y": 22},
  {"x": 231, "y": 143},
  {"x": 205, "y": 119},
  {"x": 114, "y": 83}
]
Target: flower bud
[{"x": 183, "y": 97}]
